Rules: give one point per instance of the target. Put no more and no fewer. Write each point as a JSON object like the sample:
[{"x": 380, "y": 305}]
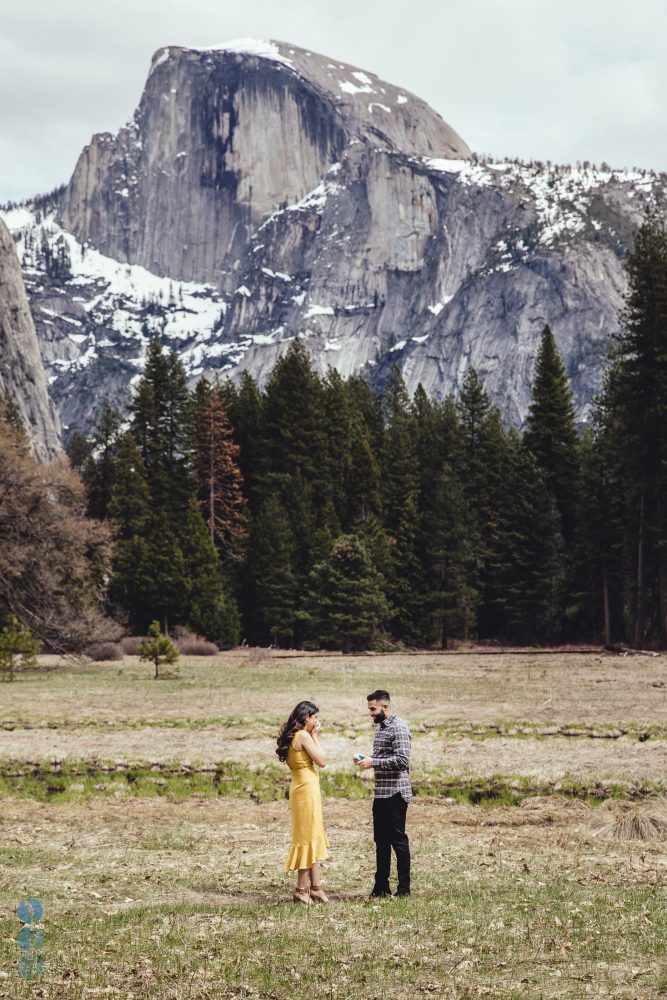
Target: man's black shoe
[
  {"x": 379, "y": 893},
  {"x": 402, "y": 892}
]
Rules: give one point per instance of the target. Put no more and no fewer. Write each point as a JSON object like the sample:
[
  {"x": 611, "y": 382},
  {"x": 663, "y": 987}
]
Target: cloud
[{"x": 562, "y": 81}]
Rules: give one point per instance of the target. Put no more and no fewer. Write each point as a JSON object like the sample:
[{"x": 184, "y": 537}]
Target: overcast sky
[{"x": 564, "y": 80}]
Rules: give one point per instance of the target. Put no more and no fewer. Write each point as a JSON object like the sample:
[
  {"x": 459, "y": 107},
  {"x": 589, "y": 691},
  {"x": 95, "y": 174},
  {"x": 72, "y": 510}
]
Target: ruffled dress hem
[{"x": 306, "y": 855}]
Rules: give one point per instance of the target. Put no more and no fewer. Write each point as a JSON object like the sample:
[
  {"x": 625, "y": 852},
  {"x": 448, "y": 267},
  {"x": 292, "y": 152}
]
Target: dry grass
[
  {"x": 645, "y": 822},
  {"x": 548, "y": 689},
  {"x": 172, "y": 900},
  {"x": 184, "y": 898},
  {"x": 540, "y": 717}
]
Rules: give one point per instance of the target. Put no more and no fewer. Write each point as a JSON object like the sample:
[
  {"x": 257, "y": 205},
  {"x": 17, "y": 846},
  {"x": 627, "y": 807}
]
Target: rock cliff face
[
  {"x": 262, "y": 193},
  {"x": 222, "y": 138},
  {"x": 22, "y": 377},
  {"x": 438, "y": 265}
]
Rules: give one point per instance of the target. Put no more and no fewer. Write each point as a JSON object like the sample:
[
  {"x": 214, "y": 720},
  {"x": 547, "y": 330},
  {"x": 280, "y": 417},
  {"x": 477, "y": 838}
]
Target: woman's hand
[
  {"x": 310, "y": 744},
  {"x": 317, "y": 727}
]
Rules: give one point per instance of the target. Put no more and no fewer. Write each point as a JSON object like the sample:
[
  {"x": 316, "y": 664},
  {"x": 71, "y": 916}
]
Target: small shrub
[
  {"x": 105, "y": 651},
  {"x": 158, "y": 649},
  {"x": 131, "y": 643},
  {"x": 18, "y": 648},
  {"x": 192, "y": 646}
]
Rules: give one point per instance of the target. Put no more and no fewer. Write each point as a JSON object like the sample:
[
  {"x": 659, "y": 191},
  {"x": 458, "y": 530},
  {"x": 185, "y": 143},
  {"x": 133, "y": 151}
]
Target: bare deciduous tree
[{"x": 53, "y": 559}]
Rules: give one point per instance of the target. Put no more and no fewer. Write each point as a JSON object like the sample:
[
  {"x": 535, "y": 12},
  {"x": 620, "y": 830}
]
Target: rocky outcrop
[
  {"x": 22, "y": 377},
  {"x": 262, "y": 193},
  {"x": 220, "y": 140},
  {"x": 436, "y": 266}
]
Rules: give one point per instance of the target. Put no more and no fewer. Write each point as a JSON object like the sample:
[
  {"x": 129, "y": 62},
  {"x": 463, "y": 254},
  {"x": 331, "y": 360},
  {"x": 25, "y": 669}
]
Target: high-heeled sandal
[
  {"x": 318, "y": 893},
  {"x": 302, "y": 896}
]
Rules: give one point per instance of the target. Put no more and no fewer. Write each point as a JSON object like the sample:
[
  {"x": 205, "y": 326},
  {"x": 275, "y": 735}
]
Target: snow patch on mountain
[
  {"x": 120, "y": 305},
  {"x": 261, "y": 47},
  {"x": 562, "y": 195},
  {"x": 103, "y": 315}
]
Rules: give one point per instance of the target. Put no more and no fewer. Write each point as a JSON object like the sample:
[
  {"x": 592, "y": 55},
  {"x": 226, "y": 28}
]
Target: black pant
[{"x": 389, "y": 831}]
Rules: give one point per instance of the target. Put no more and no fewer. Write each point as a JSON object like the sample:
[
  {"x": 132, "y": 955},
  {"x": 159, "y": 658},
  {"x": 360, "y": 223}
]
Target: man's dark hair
[{"x": 378, "y": 695}]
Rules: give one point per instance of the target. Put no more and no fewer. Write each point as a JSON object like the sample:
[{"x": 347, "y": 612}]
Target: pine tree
[
  {"x": 168, "y": 583},
  {"x": 430, "y": 458},
  {"x": 131, "y": 585},
  {"x": 344, "y": 605},
  {"x": 337, "y": 456},
  {"x": 12, "y": 427},
  {"x": 293, "y": 446},
  {"x": 161, "y": 423},
  {"x": 98, "y": 472},
  {"x": 60, "y": 264},
  {"x": 635, "y": 408},
  {"x": 399, "y": 459},
  {"x": 130, "y": 503},
  {"x": 526, "y": 571},
  {"x": 219, "y": 482},
  {"x": 293, "y": 417},
  {"x": 453, "y": 597},
  {"x": 130, "y": 512},
  {"x": 158, "y": 649},
  {"x": 271, "y": 589},
  {"x": 245, "y": 413},
  {"x": 551, "y": 433},
  {"x": 210, "y": 611},
  {"x": 452, "y": 433},
  {"x": 79, "y": 450},
  {"x": 482, "y": 444},
  {"x": 363, "y": 485},
  {"x": 18, "y": 648},
  {"x": 483, "y": 449},
  {"x": 407, "y": 584},
  {"x": 354, "y": 432},
  {"x": 150, "y": 575},
  {"x": 604, "y": 516}
]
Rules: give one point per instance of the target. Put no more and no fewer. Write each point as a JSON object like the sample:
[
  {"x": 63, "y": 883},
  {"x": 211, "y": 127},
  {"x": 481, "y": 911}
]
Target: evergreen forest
[{"x": 315, "y": 511}]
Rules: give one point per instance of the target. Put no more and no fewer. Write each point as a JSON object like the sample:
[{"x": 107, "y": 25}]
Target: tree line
[{"x": 316, "y": 511}]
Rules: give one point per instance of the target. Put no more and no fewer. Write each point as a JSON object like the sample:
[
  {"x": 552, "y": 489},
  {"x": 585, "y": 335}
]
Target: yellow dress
[{"x": 309, "y": 840}]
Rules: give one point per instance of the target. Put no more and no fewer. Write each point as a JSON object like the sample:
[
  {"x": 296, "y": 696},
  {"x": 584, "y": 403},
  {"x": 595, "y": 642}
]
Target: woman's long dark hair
[{"x": 298, "y": 718}]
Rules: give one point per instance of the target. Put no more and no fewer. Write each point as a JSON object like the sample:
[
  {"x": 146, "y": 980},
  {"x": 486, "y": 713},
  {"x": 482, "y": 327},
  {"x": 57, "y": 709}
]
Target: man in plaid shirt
[{"x": 391, "y": 760}]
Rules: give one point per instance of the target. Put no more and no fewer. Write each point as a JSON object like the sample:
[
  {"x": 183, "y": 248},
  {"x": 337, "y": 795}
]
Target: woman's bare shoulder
[{"x": 298, "y": 739}]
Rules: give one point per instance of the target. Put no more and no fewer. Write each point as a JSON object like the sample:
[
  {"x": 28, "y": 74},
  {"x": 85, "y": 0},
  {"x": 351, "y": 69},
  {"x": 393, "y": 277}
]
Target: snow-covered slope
[
  {"x": 500, "y": 249},
  {"x": 296, "y": 205},
  {"x": 95, "y": 324}
]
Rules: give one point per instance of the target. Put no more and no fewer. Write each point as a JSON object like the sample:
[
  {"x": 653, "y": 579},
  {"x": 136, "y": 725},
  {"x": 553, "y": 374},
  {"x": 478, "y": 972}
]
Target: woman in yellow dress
[{"x": 299, "y": 747}]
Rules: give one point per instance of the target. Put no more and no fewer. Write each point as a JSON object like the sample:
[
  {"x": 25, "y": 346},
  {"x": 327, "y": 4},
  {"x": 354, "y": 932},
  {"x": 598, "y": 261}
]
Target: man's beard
[{"x": 380, "y": 717}]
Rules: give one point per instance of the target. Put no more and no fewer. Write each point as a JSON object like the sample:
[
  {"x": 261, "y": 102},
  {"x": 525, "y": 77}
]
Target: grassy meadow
[{"x": 149, "y": 818}]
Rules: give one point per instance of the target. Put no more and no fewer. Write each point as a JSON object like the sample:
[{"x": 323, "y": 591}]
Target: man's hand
[{"x": 364, "y": 763}]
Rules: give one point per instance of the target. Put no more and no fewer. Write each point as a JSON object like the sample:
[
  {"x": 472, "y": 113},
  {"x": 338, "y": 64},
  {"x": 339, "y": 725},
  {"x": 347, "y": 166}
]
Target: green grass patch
[
  {"x": 71, "y": 782},
  {"x": 490, "y": 939}
]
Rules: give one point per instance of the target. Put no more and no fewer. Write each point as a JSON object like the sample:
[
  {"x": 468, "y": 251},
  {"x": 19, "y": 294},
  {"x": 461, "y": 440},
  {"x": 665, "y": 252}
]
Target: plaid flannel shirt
[{"x": 391, "y": 759}]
